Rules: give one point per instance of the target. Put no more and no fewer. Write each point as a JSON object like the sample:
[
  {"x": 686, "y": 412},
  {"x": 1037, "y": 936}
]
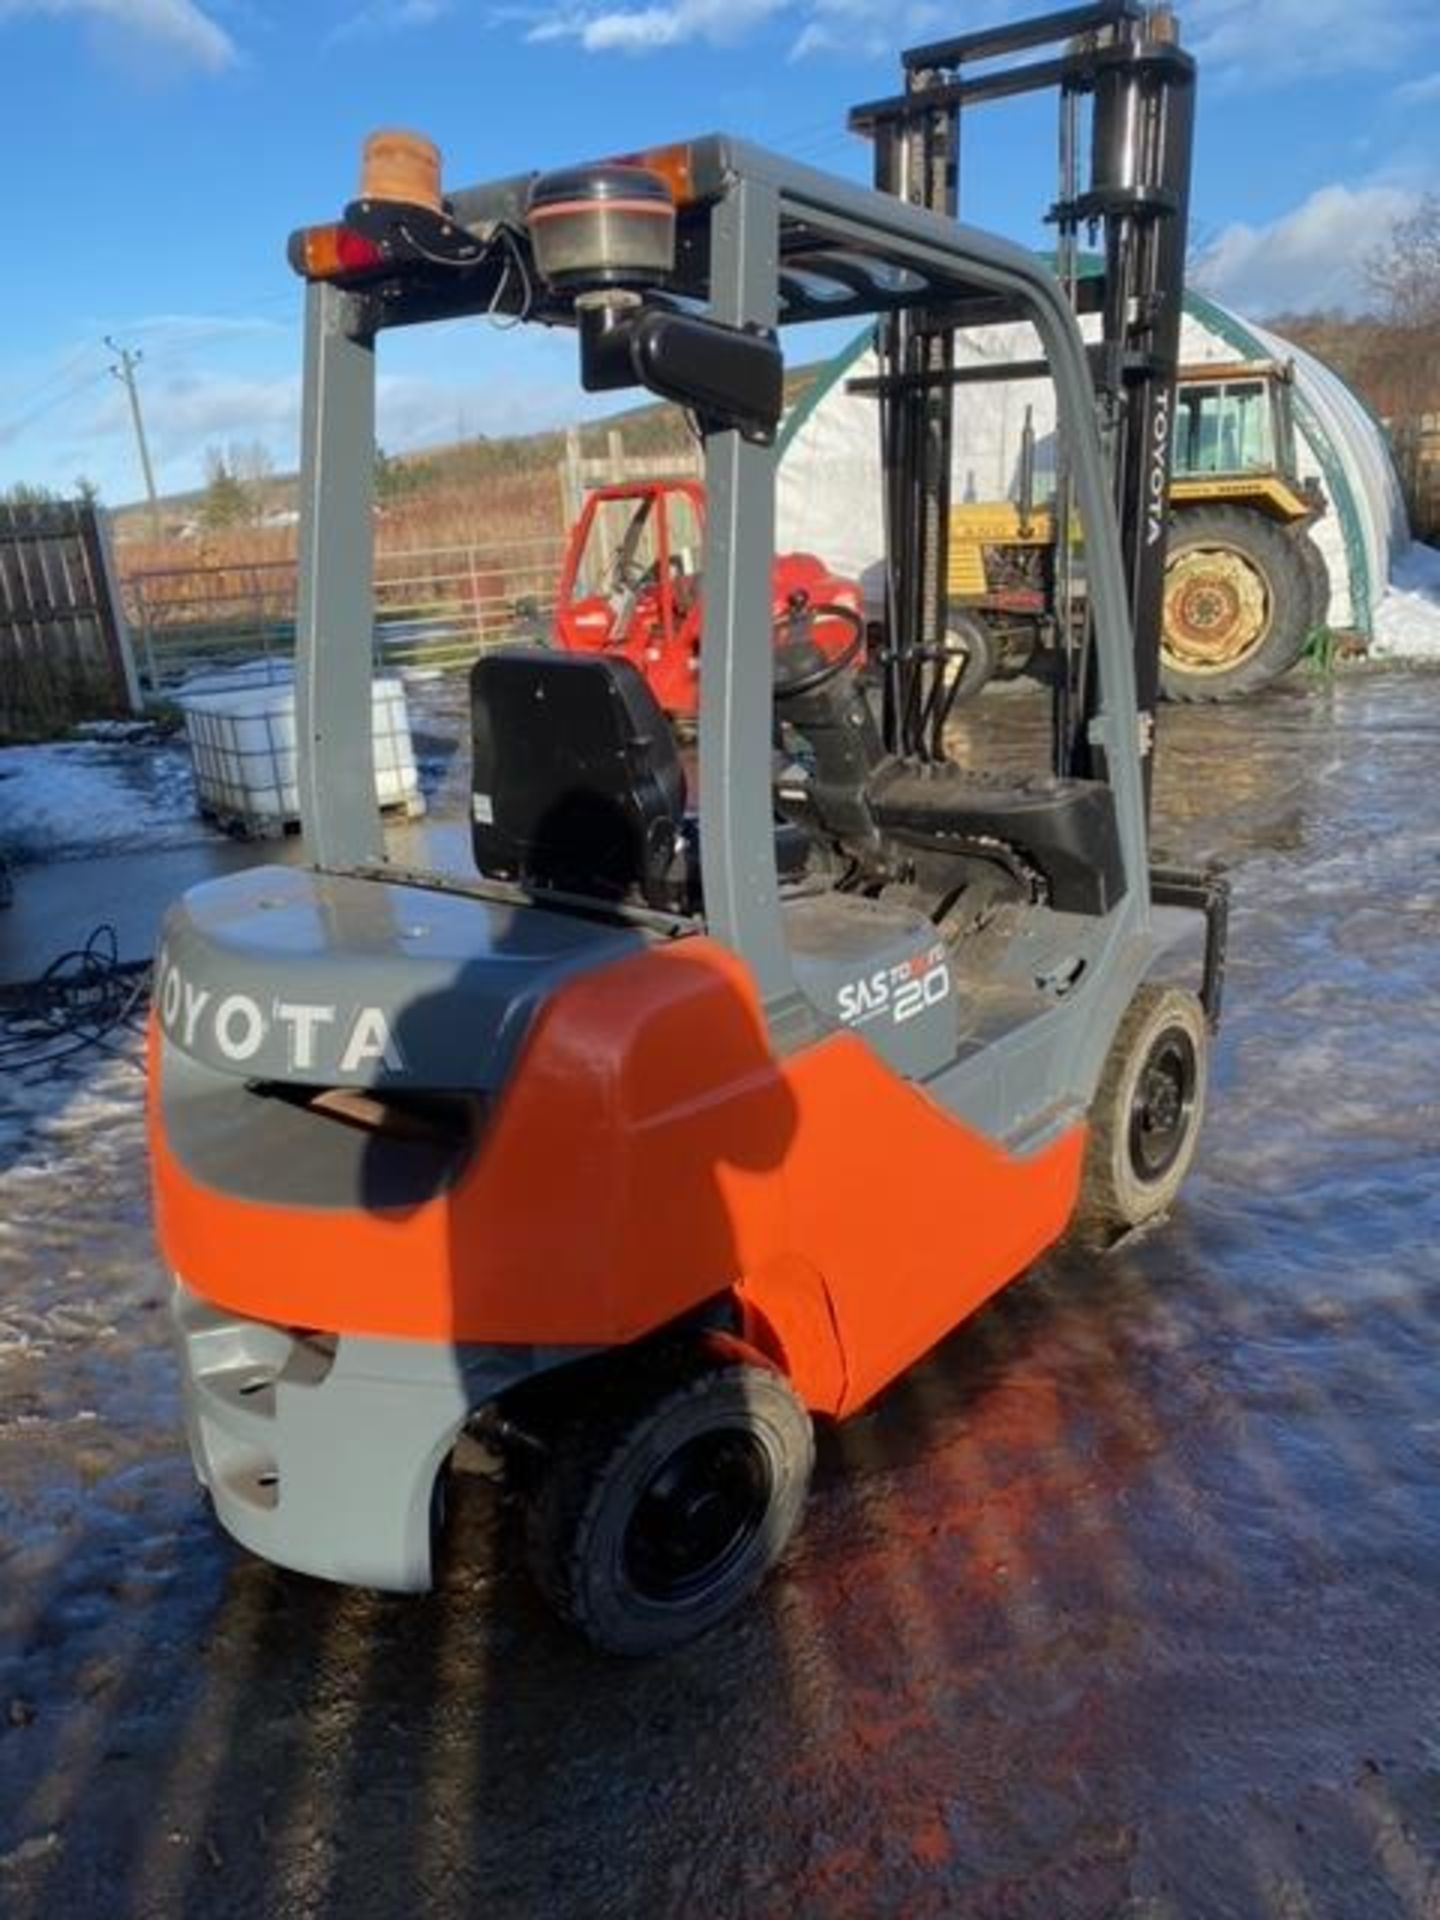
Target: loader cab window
[
  {"x": 629, "y": 539},
  {"x": 621, "y": 546},
  {"x": 684, "y": 534},
  {"x": 1224, "y": 427}
]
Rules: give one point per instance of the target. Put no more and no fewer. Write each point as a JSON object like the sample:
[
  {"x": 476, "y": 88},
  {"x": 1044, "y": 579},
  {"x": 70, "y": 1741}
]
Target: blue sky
[{"x": 160, "y": 151}]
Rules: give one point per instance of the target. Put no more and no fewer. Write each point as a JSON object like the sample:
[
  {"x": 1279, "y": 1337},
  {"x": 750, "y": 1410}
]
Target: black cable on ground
[{"x": 86, "y": 997}]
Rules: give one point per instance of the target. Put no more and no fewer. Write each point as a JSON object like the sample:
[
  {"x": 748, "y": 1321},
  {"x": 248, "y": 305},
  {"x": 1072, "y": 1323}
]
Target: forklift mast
[{"x": 1125, "y": 61}]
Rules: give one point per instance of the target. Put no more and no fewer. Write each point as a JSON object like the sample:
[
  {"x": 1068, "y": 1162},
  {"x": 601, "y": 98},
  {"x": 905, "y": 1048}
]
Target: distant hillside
[{"x": 652, "y": 429}]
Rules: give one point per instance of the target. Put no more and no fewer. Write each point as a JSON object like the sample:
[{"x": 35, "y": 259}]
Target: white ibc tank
[{"x": 242, "y": 746}]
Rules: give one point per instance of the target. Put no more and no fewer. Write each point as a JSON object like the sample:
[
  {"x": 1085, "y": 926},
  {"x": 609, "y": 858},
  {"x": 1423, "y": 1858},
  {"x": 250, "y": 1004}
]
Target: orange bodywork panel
[{"x": 649, "y": 1153}]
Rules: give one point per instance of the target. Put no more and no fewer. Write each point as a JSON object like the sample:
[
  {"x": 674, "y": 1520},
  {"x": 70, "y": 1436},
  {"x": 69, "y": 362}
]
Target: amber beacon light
[{"x": 402, "y": 168}]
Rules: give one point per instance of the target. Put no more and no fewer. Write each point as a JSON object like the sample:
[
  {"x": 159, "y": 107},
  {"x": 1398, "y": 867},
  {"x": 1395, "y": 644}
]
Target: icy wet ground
[
  {"x": 1123, "y": 1604},
  {"x": 68, "y": 799}
]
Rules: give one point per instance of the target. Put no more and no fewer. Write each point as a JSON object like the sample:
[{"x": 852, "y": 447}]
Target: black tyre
[
  {"x": 982, "y": 651},
  {"x": 662, "y": 1506},
  {"x": 1238, "y": 604},
  {"x": 1146, "y": 1115},
  {"x": 440, "y": 1520}
]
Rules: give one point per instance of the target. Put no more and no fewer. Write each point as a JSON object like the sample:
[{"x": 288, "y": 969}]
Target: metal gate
[{"x": 435, "y": 608}]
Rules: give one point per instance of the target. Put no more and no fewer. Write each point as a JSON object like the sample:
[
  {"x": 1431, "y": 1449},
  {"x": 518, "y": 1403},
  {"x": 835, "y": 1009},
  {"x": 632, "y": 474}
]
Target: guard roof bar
[{"x": 989, "y": 42}]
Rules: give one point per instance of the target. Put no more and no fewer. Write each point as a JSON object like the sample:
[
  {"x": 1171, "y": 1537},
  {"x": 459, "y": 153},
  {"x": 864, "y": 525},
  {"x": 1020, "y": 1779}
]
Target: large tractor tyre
[
  {"x": 1318, "y": 574},
  {"x": 1146, "y": 1115},
  {"x": 982, "y": 652},
  {"x": 1238, "y": 601},
  {"x": 663, "y": 1506}
]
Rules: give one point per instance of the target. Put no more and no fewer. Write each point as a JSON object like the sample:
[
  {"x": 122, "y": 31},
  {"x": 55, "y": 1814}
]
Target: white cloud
[
  {"x": 190, "y": 411},
  {"x": 1308, "y": 258},
  {"x": 389, "y": 16},
  {"x": 179, "y": 330},
  {"x": 861, "y": 29},
  {"x": 194, "y": 408},
  {"x": 1414, "y": 92},
  {"x": 1263, "y": 43},
  {"x": 1244, "y": 43},
  {"x": 179, "y": 26},
  {"x": 644, "y": 29}
]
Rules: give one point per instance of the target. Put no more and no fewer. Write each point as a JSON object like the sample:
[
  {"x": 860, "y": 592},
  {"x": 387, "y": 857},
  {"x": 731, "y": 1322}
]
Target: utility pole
[{"x": 125, "y": 372}]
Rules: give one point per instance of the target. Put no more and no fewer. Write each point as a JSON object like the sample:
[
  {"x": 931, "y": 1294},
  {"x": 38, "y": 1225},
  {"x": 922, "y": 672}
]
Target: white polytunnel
[{"x": 1384, "y": 586}]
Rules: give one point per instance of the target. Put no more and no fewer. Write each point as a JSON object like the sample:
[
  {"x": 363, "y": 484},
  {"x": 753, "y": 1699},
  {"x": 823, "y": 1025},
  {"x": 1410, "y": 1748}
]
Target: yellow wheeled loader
[{"x": 1245, "y": 584}]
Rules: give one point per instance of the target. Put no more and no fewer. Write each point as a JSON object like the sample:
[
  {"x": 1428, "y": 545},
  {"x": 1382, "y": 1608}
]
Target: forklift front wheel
[
  {"x": 660, "y": 1510},
  {"x": 1145, "y": 1118}
]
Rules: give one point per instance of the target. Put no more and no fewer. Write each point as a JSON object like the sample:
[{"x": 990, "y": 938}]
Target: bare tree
[
  {"x": 250, "y": 462},
  {"x": 1403, "y": 272},
  {"x": 1403, "y": 275},
  {"x": 252, "y": 466}
]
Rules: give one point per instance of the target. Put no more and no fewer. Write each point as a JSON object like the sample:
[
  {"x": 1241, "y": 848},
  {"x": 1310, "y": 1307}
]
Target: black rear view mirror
[{"x": 729, "y": 377}]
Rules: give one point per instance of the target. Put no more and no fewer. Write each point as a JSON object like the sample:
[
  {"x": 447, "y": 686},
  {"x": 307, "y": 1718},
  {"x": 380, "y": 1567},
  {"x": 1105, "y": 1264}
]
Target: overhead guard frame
[{"x": 739, "y": 250}]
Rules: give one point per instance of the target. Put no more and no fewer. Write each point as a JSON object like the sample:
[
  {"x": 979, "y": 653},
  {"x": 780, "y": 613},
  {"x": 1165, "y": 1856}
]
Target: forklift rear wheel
[
  {"x": 660, "y": 1510},
  {"x": 1146, "y": 1115},
  {"x": 1238, "y": 600}
]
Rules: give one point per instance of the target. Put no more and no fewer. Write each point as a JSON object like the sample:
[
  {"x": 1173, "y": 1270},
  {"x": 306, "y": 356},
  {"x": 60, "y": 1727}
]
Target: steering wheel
[{"x": 832, "y": 668}]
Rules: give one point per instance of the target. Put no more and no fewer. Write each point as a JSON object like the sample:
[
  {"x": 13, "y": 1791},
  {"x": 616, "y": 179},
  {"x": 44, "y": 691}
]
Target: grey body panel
[
  {"x": 335, "y": 980},
  {"x": 326, "y": 1461},
  {"x": 879, "y": 971},
  {"x": 241, "y": 1138}
]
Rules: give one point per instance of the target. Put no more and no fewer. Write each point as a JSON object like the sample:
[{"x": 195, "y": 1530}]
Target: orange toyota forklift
[{"x": 664, "y": 1131}]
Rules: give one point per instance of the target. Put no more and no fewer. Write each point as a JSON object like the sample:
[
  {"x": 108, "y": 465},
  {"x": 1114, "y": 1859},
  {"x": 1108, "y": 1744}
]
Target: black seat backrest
[{"x": 576, "y": 783}]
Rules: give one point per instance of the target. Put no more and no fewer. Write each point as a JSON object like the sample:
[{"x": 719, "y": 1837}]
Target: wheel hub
[
  {"x": 696, "y": 1515},
  {"x": 1163, "y": 1104},
  {"x": 1217, "y": 608}
]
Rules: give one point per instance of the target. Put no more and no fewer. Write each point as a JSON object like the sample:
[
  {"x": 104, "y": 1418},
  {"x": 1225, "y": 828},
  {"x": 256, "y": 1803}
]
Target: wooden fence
[
  {"x": 614, "y": 468},
  {"x": 63, "y": 650}
]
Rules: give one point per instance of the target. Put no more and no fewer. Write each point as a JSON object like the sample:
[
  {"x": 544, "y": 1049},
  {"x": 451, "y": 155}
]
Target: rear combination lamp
[
  {"x": 605, "y": 227},
  {"x": 334, "y": 252}
]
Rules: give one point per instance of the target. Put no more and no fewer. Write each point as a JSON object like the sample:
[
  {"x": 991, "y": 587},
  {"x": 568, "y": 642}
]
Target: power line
[
  {"x": 11, "y": 429},
  {"x": 68, "y": 367},
  {"x": 125, "y": 373}
]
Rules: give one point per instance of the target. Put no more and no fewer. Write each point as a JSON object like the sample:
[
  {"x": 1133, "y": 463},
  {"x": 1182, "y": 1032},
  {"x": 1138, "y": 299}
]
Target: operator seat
[{"x": 577, "y": 784}]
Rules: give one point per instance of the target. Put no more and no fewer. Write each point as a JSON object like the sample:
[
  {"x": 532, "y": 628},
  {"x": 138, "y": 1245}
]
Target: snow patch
[
  {"x": 128, "y": 732},
  {"x": 1407, "y": 615},
  {"x": 73, "y": 798}
]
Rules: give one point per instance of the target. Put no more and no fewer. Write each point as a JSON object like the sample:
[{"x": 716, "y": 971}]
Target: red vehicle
[{"x": 631, "y": 586}]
